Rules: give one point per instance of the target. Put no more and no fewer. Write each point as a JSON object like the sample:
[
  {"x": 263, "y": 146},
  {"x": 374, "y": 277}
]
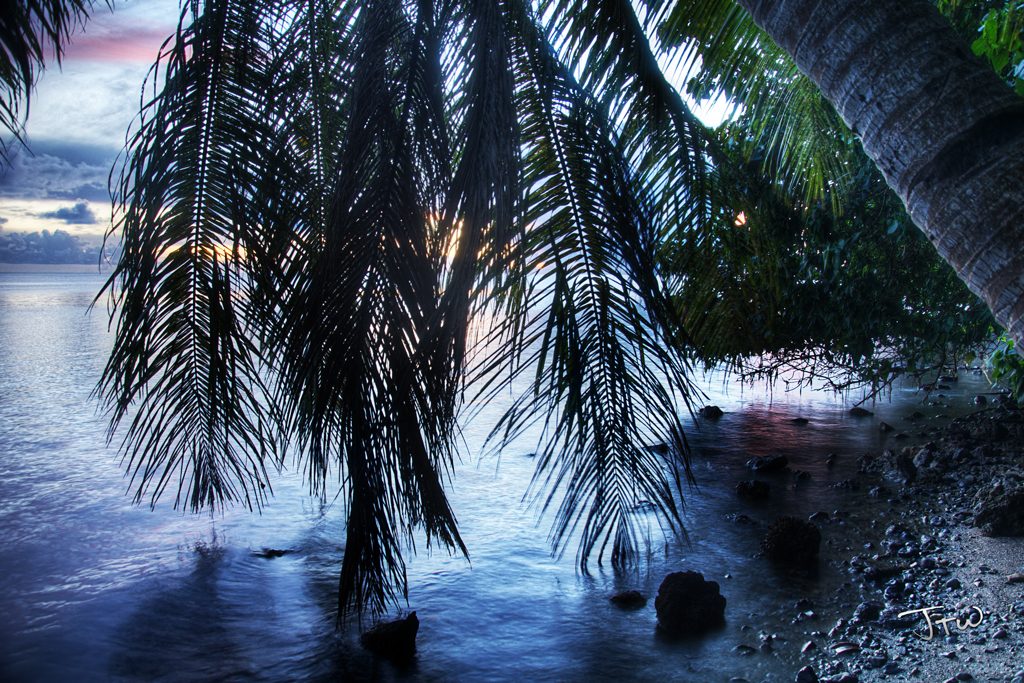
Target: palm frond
[
  {"x": 604, "y": 385},
  {"x": 785, "y": 120},
  {"x": 184, "y": 359}
]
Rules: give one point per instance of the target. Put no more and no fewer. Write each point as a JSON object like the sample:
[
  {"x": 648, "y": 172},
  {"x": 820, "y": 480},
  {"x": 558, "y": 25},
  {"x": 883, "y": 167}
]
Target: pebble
[{"x": 807, "y": 675}]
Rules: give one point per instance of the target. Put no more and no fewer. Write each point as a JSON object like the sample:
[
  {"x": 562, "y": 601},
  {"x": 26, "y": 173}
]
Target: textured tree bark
[{"x": 944, "y": 130}]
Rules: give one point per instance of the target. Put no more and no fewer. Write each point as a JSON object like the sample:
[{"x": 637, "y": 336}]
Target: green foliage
[
  {"x": 850, "y": 298},
  {"x": 1007, "y": 366},
  {"x": 1000, "y": 39},
  {"x": 827, "y": 279}
]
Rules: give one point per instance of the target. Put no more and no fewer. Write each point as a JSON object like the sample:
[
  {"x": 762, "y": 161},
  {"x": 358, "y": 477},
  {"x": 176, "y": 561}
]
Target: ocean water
[{"x": 94, "y": 588}]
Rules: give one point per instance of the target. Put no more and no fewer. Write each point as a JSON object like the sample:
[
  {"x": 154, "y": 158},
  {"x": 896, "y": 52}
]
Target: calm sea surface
[{"x": 93, "y": 588}]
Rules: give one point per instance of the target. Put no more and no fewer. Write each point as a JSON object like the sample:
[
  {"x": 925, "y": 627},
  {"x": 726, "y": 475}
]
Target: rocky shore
[{"x": 935, "y": 576}]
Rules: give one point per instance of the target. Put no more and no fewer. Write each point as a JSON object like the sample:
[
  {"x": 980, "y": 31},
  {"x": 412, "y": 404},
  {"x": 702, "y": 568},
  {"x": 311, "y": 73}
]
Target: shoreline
[{"x": 924, "y": 552}]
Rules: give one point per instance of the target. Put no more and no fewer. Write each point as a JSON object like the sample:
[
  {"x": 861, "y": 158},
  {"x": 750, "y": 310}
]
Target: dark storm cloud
[
  {"x": 59, "y": 171},
  {"x": 79, "y": 214}
]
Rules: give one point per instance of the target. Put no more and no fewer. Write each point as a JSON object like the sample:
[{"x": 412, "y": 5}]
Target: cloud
[
  {"x": 69, "y": 174},
  {"x": 2, "y": 220},
  {"x": 79, "y": 214}
]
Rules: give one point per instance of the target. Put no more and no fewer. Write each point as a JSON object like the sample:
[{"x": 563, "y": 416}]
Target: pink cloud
[{"x": 114, "y": 43}]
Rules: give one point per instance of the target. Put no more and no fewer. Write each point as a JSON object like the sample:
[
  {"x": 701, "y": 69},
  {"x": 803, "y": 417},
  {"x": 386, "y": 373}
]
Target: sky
[{"x": 78, "y": 120}]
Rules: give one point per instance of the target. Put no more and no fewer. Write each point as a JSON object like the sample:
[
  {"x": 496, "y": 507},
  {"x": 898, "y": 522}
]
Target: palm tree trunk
[{"x": 945, "y": 131}]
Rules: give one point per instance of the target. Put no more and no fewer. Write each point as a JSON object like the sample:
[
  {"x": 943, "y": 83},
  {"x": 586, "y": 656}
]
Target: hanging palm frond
[{"x": 313, "y": 207}]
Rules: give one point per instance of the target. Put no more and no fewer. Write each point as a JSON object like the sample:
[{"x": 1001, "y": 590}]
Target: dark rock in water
[
  {"x": 857, "y": 411},
  {"x": 999, "y": 509},
  {"x": 980, "y": 400},
  {"x": 851, "y": 484},
  {"x": 271, "y": 553},
  {"x": 742, "y": 519},
  {"x": 630, "y": 599},
  {"x": 807, "y": 675},
  {"x": 687, "y": 604},
  {"x": 883, "y": 427},
  {"x": 948, "y": 378},
  {"x": 395, "y": 640},
  {"x": 711, "y": 411},
  {"x": 768, "y": 463},
  {"x": 914, "y": 416},
  {"x": 754, "y": 489},
  {"x": 801, "y": 475},
  {"x": 800, "y": 420},
  {"x": 901, "y": 435},
  {"x": 792, "y": 540},
  {"x": 819, "y": 516}
]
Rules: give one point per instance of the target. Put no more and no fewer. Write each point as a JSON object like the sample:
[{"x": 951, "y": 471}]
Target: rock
[
  {"x": 800, "y": 420},
  {"x": 819, "y": 516},
  {"x": 851, "y": 484},
  {"x": 923, "y": 458},
  {"x": 807, "y": 675},
  {"x": 395, "y": 640},
  {"x": 883, "y": 427},
  {"x": 1015, "y": 578},
  {"x": 768, "y": 463},
  {"x": 980, "y": 400},
  {"x": 792, "y": 540},
  {"x": 999, "y": 509},
  {"x": 867, "y": 611},
  {"x": 630, "y": 599},
  {"x": 711, "y": 411},
  {"x": 880, "y": 574},
  {"x": 906, "y": 467},
  {"x": 914, "y": 416},
  {"x": 754, "y": 489},
  {"x": 987, "y": 429},
  {"x": 687, "y": 604},
  {"x": 857, "y": 411},
  {"x": 948, "y": 378},
  {"x": 271, "y": 553},
  {"x": 742, "y": 519}
]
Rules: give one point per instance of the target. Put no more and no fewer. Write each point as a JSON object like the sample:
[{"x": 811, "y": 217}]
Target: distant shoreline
[{"x": 52, "y": 268}]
